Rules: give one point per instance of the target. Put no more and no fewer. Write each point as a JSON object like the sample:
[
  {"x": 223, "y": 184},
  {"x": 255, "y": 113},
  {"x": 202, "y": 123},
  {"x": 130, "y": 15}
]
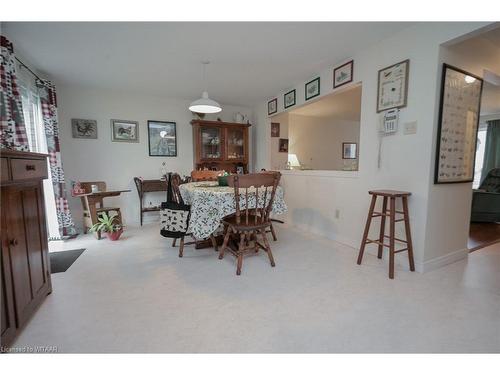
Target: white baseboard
[{"x": 443, "y": 260}]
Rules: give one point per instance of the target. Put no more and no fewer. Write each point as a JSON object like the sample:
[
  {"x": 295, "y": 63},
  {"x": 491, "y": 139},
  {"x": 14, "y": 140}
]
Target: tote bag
[{"x": 174, "y": 215}]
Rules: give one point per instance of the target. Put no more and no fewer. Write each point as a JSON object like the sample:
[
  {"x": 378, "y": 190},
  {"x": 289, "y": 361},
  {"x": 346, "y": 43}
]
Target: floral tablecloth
[{"x": 210, "y": 203}]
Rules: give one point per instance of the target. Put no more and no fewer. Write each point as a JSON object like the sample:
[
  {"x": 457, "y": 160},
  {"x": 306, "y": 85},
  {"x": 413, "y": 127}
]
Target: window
[
  {"x": 32, "y": 118},
  {"x": 478, "y": 168}
]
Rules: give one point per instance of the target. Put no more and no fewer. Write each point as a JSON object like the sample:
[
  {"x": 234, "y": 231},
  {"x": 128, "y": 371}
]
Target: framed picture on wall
[
  {"x": 85, "y": 129},
  {"x": 283, "y": 145},
  {"x": 124, "y": 131},
  {"x": 289, "y": 99},
  {"x": 457, "y": 126},
  {"x": 393, "y": 86},
  {"x": 272, "y": 106},
  {"x": 275, "y": 129},
  {"x": 343, "y": 74},
  {"x": 162, "y": 138},
  {"x": 349, "y": 150},
  {"x": 312, "y": 88}
]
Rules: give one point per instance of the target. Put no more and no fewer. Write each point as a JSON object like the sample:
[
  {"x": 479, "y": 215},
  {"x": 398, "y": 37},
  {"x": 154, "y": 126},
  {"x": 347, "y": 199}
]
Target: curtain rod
[{"x": 27, "y": 67}]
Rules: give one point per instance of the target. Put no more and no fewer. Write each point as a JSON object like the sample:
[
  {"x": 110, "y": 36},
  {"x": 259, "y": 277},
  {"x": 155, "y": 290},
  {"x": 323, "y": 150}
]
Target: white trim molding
[{"x": 442, "y": 261}]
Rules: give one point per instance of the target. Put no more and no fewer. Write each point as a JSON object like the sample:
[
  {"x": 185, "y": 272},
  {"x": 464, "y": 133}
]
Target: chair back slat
[
  {"x": 176, "y": 181},
  {"x": 263, "y": 185}
]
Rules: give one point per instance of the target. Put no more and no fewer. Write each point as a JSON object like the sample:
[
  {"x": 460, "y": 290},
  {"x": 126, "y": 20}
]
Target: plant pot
[{"x": 113, "y": 236}]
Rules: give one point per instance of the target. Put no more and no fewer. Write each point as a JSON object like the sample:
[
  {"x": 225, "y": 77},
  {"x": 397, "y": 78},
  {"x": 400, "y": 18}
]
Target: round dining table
[{"x": 210, "y": 203}]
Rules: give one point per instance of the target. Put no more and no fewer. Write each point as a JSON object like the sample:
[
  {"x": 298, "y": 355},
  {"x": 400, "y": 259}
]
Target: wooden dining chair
[
  {"x": 254, "y": 196},
  {"x": 176, "y": 193},
  {"x": 205, "y": 175},
  {"x": 92, "y": 210},
  {"x": 271, "y": 228}
]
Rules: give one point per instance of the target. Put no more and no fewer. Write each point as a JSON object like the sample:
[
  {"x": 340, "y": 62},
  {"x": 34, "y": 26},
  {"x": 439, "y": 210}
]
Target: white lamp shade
[
  {"x": 293, "y": 160},
  {"x": 205, "y": 105}
]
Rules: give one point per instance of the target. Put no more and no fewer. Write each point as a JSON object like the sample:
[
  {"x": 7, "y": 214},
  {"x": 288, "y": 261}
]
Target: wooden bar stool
[{"x": 391, "y": 213}]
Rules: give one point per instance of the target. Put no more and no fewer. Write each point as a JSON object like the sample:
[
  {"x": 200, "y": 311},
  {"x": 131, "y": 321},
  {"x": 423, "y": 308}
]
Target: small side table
[
  {"x": 148, "y": 186},
  {"x": 391, "y": 196}
]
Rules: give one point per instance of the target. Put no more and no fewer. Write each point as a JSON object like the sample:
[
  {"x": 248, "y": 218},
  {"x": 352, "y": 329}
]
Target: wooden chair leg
[
  {"x": 392, "y": 222},
  {"x": 181, "y": 248},
  {"x": 273, "y": 233},
  {"x": 382, "y": 229},
  {"x": 224, "y": 244},
  {"x": 408, "y": 233},
  {"x": 367, "y": 229},
  {"x": 240, "y": 254},
  {"x": 214, "y": 242},
  {"x": 174, "y": 242},
  {"x": 268, "y": 248}
]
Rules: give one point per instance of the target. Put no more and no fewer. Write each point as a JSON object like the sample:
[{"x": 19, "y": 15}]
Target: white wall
[
  {"x": 118, "y": 163},
  {"x": 317, "y": 141},
  {"x": 407, "y": 160}
]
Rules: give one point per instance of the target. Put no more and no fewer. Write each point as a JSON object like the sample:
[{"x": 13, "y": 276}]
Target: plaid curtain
[
  {"x": 48, "y": 100},
  {"x": 12, "y": 128}
]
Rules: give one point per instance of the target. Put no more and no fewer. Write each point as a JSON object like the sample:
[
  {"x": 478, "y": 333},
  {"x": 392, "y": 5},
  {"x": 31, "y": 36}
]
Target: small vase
[{"x": 114, "y": 236}]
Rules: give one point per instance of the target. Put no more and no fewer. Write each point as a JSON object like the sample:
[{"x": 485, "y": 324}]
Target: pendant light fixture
[{"x": 205, "y": 104}]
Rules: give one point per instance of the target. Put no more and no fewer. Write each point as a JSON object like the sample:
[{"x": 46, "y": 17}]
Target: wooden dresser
[{"x": 24, "y": 246}]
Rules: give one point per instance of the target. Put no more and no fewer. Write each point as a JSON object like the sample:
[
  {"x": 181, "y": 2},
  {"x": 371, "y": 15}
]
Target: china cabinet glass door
[
  {"x": 211, "y": 143},
  {"x": 235, "y": 139}
]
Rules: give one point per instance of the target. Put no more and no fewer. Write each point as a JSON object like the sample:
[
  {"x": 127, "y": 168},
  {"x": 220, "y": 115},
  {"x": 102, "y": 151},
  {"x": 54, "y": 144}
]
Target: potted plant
[{"x": 108, "y": 224}]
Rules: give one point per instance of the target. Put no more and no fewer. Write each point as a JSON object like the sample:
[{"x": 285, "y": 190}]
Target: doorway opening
[{"x": 480, "y": 55}]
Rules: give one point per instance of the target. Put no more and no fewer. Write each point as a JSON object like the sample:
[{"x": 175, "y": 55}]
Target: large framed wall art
[{"x": 457, "y": 126}]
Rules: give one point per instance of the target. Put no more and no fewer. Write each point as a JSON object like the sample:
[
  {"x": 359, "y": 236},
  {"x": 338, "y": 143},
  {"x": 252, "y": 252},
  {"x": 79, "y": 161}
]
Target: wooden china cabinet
[
  {"x": 25, "y": 276},
  {"x": 220, "y": 145}
]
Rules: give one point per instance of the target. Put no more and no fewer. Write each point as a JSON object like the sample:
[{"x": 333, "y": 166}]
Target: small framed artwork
[
  {"x": 458, "y": 123},
  {"x": 85, "y": 129},
  {"x": 289, "y": 99},
  {"x": 343, "y": 74},
  {"x": 272, "y": 106},
  {"x": 283, "y": 145},
  {"x": 349, "y": 150},
  {"x": 312, "y": 88},
  {"x": 124, "y": 131},
  {"x": 240, "y": 169},
  {"x": 162, "y": 137},
  {"x": 392, "y": 87},
  {"x": 275, "y": 129}
]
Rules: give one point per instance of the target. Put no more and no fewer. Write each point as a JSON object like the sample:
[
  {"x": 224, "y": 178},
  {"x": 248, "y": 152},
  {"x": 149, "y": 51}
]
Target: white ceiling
[
  {"x": 250, "y": 61},
  {"x": 344, "y": 105}
]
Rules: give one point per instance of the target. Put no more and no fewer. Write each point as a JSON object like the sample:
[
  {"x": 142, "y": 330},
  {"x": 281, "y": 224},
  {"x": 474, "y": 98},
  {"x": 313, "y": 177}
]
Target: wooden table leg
[
  {"x": 91, "y": 203},
  {"x": 367, "y": 229},
  {"x": 392, "y": 222}
]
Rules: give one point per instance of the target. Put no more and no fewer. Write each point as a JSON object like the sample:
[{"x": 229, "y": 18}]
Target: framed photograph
[
  {"x": 349, "y": 150},
  {"x": 85, "y": 129},
  {"x": 312, "y": 88},
  {"x": 392, "y": 86},
  {"x": 343, "y": 74},
  {"x": 457, "y": 126},
  {"x": 240, "y": 169},
  {"x": 289, "y": 99},
  {"x": 162, "y": 137},
  {"x": 283, "y": 145},
  {"x": 124, "y": 131},
  {"x": 275, "y": 129},
  {"x": 272, "y": 106}
]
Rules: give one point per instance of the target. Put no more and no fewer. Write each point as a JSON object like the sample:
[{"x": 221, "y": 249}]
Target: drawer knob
[
  {"x": 13, "y": 242},
  {"x": 30, "y": 167}
]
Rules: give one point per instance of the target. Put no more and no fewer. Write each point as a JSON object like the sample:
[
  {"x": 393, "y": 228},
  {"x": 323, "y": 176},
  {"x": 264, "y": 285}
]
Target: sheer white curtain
[{"x": 32, "y": 111}]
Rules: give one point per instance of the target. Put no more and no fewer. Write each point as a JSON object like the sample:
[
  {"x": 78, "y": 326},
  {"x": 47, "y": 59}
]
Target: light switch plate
[{"x": 410, "y": 127}]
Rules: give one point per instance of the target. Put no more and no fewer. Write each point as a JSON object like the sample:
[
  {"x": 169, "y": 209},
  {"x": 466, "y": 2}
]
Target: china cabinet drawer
[
  {"x": 24, "y": 169},
  {"x": 5, "y": 170}
]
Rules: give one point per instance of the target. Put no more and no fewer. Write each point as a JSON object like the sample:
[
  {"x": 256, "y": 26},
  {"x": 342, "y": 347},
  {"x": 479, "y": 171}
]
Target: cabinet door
[
  {"x": 211, "y": 143},
  {"x": 27, "y": 243},
  {"x": 235, "y": 144},
  {"x": 8, "y": 328}
]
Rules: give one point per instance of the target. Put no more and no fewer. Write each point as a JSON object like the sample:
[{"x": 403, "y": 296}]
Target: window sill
[{"x": 319, "y": 173}]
